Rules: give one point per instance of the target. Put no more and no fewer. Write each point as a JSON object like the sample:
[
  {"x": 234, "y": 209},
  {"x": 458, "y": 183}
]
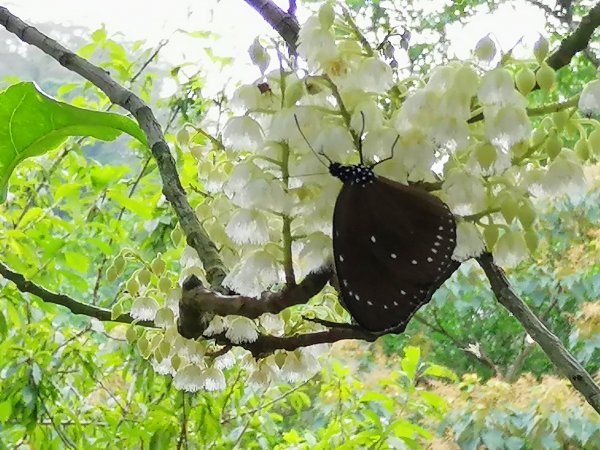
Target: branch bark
[
  {"x": 284, "y": 23},
  {"x": 73, "y": 305},
  {"x": 196, "y": 236},
  {"x": 577, "y": 41},
  {"x": 552, "y": 346},
  {"x": 196, "y": 301}
]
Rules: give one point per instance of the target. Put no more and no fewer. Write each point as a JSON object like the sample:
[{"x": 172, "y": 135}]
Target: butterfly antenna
[
  {"x": 392, "y": 152},
  {"x": 310, "y": 146},
  {"x": 360, "y": 137}
]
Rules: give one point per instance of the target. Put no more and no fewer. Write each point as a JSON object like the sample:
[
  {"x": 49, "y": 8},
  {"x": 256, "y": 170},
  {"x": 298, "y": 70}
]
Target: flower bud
[
  {"x": 526, "y": 214},
  {"x": 326, "y": 15},
  {"x": 164, "y": 284},
  {"x": 132, "y": 286},
  {"x": 158, "y": 265},
  {"x": 582, "y": 149},
  {"x": 119, "y": 264},
  {"x": 525, "y": 80},
  {"x": 532, "y": 240},
  {"x": 553, "y": 145},
  {"x": 176, "y": 235},
  {"x": 541, "y": 48},
  {"x": 485, "y": 49},
  {"x": 490, "y": 235},
  {"x": 509, "y": 208},
  {"x": 259, "y": 56},
  {"x": 594, "y": 141},
  {"x": 144, "y": 276},
  {"x": 131, "y": 334},
  {"x": 111, "y": 273},
  {"x": 545, "y": 77},
  {"x": 293, "y": 92},
  {"x": 560, "y": 119}
]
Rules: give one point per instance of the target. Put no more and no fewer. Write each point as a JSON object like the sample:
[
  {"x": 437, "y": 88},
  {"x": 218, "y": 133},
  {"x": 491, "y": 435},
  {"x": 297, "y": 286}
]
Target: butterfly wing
[{"x": 392, "y": 246}]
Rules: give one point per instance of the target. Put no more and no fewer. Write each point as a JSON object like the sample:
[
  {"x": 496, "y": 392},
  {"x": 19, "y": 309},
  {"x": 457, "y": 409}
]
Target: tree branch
[
  {"x": 172, "y": 188},
  {"x": 73, "y": 305},
  {"x": 577, "y": 41},
  {"x": 284, "y": 23},
  {"x": 196, "y": 301},
  {"x": 552, "y": 346},
  {"x": 267, "y": 344}
]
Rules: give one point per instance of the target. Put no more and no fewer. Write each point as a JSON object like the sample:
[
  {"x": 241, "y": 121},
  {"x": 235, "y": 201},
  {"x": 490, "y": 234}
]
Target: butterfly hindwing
[{"x": 393, "y": 246}]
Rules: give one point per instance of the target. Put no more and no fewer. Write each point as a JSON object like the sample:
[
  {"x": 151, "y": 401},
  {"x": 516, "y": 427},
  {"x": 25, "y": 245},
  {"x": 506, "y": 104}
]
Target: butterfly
[{"x": 392, "y": 246}]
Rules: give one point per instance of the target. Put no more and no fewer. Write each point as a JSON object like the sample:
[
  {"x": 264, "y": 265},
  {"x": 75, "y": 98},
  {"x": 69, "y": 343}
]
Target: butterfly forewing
[{"x": 393, "y": 246}]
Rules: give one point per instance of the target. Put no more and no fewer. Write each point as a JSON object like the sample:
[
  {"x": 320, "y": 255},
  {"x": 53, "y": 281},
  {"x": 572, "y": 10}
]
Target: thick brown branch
[
  {"x": 576, "y": 41},
  {"x": 552, "y": 346},
  {"x": 284, "y": 23},
  {"x": 196, "y": 301},
  {"x": 172, "y": 188},
  {"x": 73, "y": 305},
  {"x": 265, "y": 344}
]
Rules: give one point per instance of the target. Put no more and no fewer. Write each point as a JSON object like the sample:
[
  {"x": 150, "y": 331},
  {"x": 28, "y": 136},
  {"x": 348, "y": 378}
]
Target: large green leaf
[{"x": 32, "y": 123}]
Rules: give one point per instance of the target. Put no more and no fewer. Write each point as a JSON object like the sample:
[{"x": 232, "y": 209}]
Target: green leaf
[
  {"x": 5, "y": 410},
  {"x": 411, "y": 361},
  {"x": 140, "y": 208},
  {"x": 3, "y": 327},
  {"x": 101, "y": 176},
  {"x": 77, "y": 261},
  {"x": 32, "y": 123},
  {"x": 436, "y": 370}
]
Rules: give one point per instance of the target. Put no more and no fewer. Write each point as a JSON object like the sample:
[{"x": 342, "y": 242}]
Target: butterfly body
[{"x": 392, "y": 246}]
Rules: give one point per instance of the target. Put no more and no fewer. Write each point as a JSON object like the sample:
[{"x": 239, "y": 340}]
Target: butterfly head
[{"x": 357, "y": 174}]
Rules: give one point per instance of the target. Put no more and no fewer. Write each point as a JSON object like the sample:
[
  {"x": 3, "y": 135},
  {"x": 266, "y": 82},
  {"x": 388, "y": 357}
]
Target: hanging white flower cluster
[{"x": 269, "y": 197}]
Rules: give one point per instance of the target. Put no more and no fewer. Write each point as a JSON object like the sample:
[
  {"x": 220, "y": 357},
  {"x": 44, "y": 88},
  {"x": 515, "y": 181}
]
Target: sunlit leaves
[{"x": 33, "y": 124}]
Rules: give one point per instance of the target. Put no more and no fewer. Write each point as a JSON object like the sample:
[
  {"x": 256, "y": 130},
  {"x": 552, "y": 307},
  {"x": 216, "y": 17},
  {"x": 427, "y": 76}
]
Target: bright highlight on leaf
[{"x": 32, "y": 123}]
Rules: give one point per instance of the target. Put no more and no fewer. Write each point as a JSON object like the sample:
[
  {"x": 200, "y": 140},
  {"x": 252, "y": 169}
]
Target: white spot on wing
[
  {"x": 369, "y": 302},
  {"x": 414, "y": 261},
  {"x": 429, "y": 259},
  {"x": 341, "y": 258},
  {"x": 373, "y": 239},
  {"x": 393, "y": 256}
]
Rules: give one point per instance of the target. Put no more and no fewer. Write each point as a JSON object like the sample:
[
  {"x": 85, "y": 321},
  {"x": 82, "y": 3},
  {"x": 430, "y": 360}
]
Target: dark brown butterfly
[{"x": 392, "y": 245}]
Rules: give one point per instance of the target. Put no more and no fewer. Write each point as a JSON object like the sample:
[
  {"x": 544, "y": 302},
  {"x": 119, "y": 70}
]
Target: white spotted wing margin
[{"x": 392, "y": 246}]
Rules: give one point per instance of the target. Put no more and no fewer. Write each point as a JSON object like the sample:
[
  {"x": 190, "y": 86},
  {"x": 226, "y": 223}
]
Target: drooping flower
[
  {"x": 242, "y": 133},
  {"x": 465, "y": 191},
  {"x": 189, "y": 378},
  {"x": 273, "y": 323},
  {"x": 316, "y": 44},
  {"x": 214, "y": 380},
  {"x": 217, "y": 325},
  {"x": 257, "y": 272},
  {"x": 264, "y": 374},
  {"x": 164, "y": 318},
  {"x": 248, "y": 226},
  {"x": 316, "y": 250},
  {"x": 469, "y": 242},
  {"x": 144, "y": 308},
  {"x": 506, "y": 126},
  {"x": 498, "y": 88},
  {"x": 511, "y": 249},
  {"x": 564, "y": 174},
  {"x": 293, "y": 370},
  {"x": 241, "y": 329},
  {"x": 589, "y": 101}
]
